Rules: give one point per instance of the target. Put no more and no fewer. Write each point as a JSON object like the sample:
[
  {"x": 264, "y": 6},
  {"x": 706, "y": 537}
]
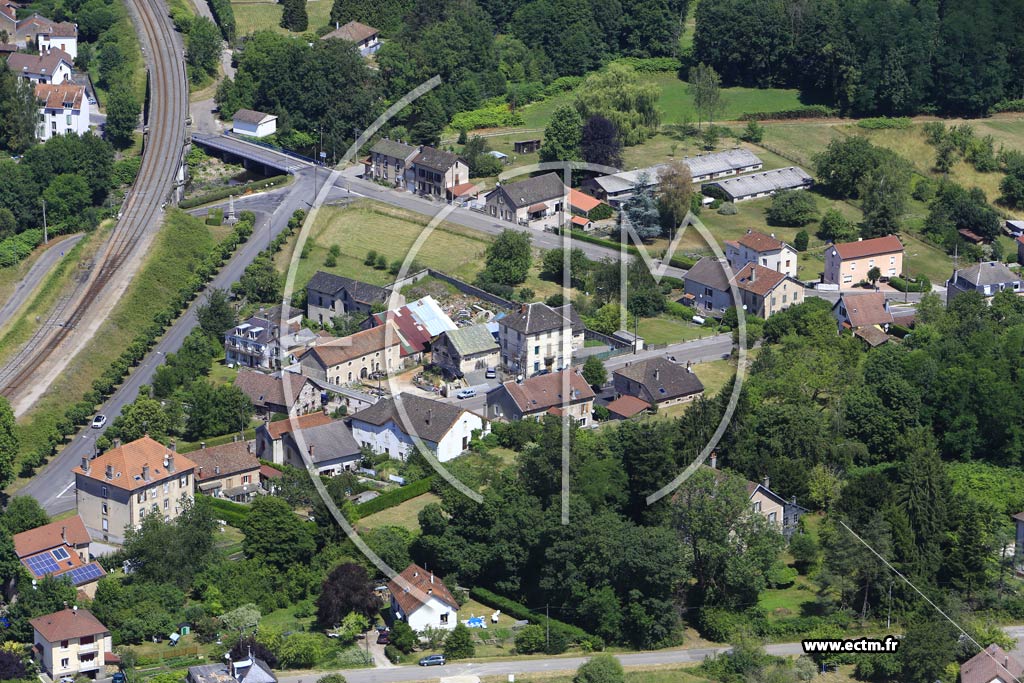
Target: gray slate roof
[
  {"x": 662, "y": 378},
  {"x": 265, "y": 327},
  {"x": 539, "y": 317},
  {"x": 709, "y": 272},
  {"x": 330, "y": 441},
  {"x": 468, "y": 341},
  {"x": 534, "y": 190},
  {"x": 394, "y": 148},
  {"x": 251, "y": 116},
  {"x": 987, "y": 273},
  {"x": 436, "y": 159},
  {"x": 362, "y": 292},
  {"x": 428, "y": 419}
]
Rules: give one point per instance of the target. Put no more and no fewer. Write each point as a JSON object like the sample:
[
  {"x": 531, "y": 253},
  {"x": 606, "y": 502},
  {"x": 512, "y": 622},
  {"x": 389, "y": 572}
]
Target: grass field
[
  {"x": 670, "y": 330},
  {"x": 714, "y": 374},
  {"x": 676, "y": 101},
  {"x": 182, "y": 242},
  {"x": 254, "y": 15},
  {"x": 404, "y": 515}
]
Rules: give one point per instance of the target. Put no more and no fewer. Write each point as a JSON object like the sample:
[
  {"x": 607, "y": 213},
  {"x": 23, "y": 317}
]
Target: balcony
[{"x": 91, "y": 647}]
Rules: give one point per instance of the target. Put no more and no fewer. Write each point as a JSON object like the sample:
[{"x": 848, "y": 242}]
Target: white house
[
  {"x": 764, "y": 250},
  {"x": 422, "y": 600},
  {"x": 52, "y": 66},
  {"x": 59, "y": 35},
  {"x": 254, "y": 124},
  {"x": 63, "y": 110},
  {"x": 392, "y": 426}
]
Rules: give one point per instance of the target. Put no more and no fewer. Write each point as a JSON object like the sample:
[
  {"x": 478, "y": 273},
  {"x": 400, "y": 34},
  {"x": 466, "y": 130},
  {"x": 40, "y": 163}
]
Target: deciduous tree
[
  {"x": 276, "y": 535},
  {"x": 346, "y": 590}
]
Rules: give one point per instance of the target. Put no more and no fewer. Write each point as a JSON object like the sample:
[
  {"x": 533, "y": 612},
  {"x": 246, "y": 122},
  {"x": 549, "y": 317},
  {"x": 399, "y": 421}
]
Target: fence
[{"x": 614, "y": 342}]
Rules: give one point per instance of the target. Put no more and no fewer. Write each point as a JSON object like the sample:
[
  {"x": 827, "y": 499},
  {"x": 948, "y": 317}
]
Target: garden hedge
[
  {"x": 395, "y": 497},
  {"x": 572, "y": 634}
]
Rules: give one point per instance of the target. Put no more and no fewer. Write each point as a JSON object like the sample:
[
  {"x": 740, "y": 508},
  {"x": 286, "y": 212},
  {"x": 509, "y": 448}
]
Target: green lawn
[
  {"x": 676, "y": 101},
  {"x": 404, "y": 515},
  {"x": 780, "y": 603},
  {"x": 254, "y": 15},
  {"x": 714, "y": 374},
  {"x": 670, "y": 330}
]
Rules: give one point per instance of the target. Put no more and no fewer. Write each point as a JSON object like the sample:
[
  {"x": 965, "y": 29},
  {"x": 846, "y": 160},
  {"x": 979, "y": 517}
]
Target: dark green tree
[
  {"x": 600, "y": 143},
  {"x": 203, "y": 45},
  {"x": 122, "y": 115},
  {"x": 8, "y": 441},
  {"x": 294, "y": 16},
  {"x": 601, "y": 668},
  {"x": 23, "y": 513},
  {"x": 509, "y": 257},
  {"x": 594, "y": 372},
  {"x": 459, "y": 643},
  {"x": 792, "y": 208},
  {"x": 216, "y": 315},
  {"x": 276, "y": 535},
  {"x": 563, "y": 136}
]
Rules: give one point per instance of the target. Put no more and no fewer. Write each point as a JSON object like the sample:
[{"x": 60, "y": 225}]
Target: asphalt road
[
  {"x": 53, "y": 486},
  {"x": 35, "y": 275}
]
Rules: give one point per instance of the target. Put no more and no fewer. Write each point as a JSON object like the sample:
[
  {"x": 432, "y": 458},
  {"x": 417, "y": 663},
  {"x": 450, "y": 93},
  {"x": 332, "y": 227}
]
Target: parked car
[
  {"x": 384, "y": 638},
  {"x": 491, "y": 373},
  {"x": 465, "y": 393},
  {"x": 432, "y": 660},
  {"x": 99, "y": 421}
]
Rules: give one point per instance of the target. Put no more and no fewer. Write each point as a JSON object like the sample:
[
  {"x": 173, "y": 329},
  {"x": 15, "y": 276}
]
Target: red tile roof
[
  {"x": 68, "y": 623},
  {"x": 993, "y": 664},
  {"x": 231, "y": 458},
  {"x": 627, "y": 406},
  {"x": 269, "y": 472},
  {"x": 582, "y": 201},
  {"x": 580, "y": 221},
  {"x": 871, "y": 247},
  {"x": 63, "y": 96},
  {"x": 865, "y": 309},
  {"x": 537, "y": 394},
  {"x": 758, "y": 241},
  {"x": 463, "y": 190},
  {"x": 69, "y": 531},
  {"x": 282, "y": 427},
  {"x": 758, "y": 279},
  {"x": 415, "y": 585},
  {"x": 338, "y": 351},
  {"x": 127, "y": 462}
]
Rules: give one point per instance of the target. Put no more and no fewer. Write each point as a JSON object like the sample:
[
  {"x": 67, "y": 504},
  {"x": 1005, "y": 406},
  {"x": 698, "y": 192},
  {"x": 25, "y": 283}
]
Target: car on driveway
[
  {"x": 384, "y": 638},
  {"x": 465, "y": 393},
  {"x": 432, "y": 660},
  {"x": 99, "y": 421}
]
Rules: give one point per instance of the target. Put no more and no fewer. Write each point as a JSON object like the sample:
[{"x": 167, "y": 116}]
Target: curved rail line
[{"x": 141, "y": 212}]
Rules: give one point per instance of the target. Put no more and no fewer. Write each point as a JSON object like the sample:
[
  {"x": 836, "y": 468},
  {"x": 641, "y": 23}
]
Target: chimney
[
  {"x": 64, "y": 534},
  {"x": 249, "y": 447},
  {"x": 216, "y": 469},
  {"x": 174, "y": 445},
  {"x": 170, "y": 462},
  {"x": 200, "y": 473},
  {"x": 753, "y": 273},
  {"x": 85, "y": 464},
  {"x": 202, "y": 445},
  {"x": 117, "y": 442},
  {"x": 657, "y": 374},
  {"x": 765, "y": 481},
  {"x": 429, "y": 411},
  {"x": 431, "y": 577},
  {"x": 145, "y": 472},
  {"x": 110, "y": 471},
  {"x": 714, "y": 460}
]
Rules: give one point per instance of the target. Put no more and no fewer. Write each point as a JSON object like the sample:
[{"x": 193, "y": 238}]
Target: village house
[
  {"x": 466, "y": 349},
  {"x": 390, "y": 161},
  {"x": 849, "y": 263},
  {"x": 992, "y": 665},
  {"x": 538, "y": 337},
  {"x": 253, "y": 124},
  {"x": 329, "y": 295},
  {"x": 366, "y": 38},
  {"x": 436, "y": 171},
  {"x": 364, "y": 355},
  {"x": 9, "y": 20},
  {"x": 283, "y": 392},
  {"x": 855, "y": 310},
  {"x": 762, "y": 184},
  {"x": 422, "y": 600},
  {"x": 53, "y": 66},
  {"x": 707, "y": 283},
  {"x": 782, "y": 514},
  {"x": 228, "y": 471},
  {"x": 70, "y": 643},
  {"x": 764, "y": 291},
  {"x": 581, "y": 204},
  {"x": 418, "y": 323},
  {"x": 248, "y": 670},
  {"x": 987, "y": 278},
  {"x": 657, "y": 382},
  {"x": 626, "y": 407},
  {"x": 528, "y": 200},
  {"x": 250, "y": 344},
  {"x": 63, "y": 110},
  {"x": 60, "y": 548},
  {"x": 327, "y": 443},
  {"x": 57, "y": 35},
  {"x": 120, "y": 487},
  {"x": 556, "y": 393},
  {"x": 393, "y": 426},
  {"x": 764, "y": 250},
  {"x": 1020, "y": 250}
]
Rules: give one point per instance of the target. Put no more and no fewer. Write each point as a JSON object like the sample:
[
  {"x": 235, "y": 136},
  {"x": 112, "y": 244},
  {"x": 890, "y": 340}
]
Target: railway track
[{"x": 141, "y": 214}]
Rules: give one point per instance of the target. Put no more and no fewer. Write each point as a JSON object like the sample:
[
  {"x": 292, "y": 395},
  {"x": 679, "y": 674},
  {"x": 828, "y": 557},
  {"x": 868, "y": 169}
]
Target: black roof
[
  {"x": 359, "y": 291},
  {"x": 428, "y": 419},
  {"x": 534, "y": 190},
  {"x": 437, "y": 159},
  {"x": 539, "y": 317},
  {"x": 662, "y": 378}
]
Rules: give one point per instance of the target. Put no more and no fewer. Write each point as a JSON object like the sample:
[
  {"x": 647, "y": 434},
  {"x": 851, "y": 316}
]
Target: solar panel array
[
  {"x": 60, "y": 554},
  {"x": 41, "y": 565},
  {"x": 89, "y": 572}
]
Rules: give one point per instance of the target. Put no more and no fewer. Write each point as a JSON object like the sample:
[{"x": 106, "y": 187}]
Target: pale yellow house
[
  {"x": 359, "y": 356},
  {"x": 120, "y": 487},
  {"x": 765, "y": 292},
  {"x": 848, "y": 263},
  {"x": 70, "y": 643}
]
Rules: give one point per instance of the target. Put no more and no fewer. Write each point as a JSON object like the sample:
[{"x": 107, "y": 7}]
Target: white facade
[
  {"x": 391, "y": 439},
  {"x": 434, "y": 613},
  {"x": 254, "y": 127},
  {"x": 782, "y": 260},
  {"x": 68, "y": 44},
  {"x": 68, "y": 115}
]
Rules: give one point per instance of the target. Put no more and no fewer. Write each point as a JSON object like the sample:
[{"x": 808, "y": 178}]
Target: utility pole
[
  {"x": 46, "y": 236},
  {"x": 888, "y": 618},
  {"x": 547, "y": 618}
]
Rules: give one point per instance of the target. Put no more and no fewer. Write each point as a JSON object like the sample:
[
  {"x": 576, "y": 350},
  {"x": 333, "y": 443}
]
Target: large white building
[
  {"x": 394, "y": 425},
  {"x": 63, "y": 110},
  {"x": 52, "y": 66}
]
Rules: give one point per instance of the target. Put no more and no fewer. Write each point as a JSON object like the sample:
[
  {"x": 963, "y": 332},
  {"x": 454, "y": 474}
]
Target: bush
[
  {"x": 493, "y": 116},
  {"x": 801, "y": 240},
  {"x": 601, "y": 413},
  {"x": 719, "y": 625},
  {"x": 601, "y": 212},
  {"x": 727, "y": 209},
  {"x": 885, "y": 122},
  {"x": 215, "y": 217},
  {"x": 814, "y": 111},
  {"x": 652, "y": 65},
  {"x": 531, "y": 639},
  {"x": 792, "y": 208},
  {"x": 224, "y": 15},
  {"x": 234, "y": 190},
  {"x": 1008, "y": 105},
  {"x": 903, "y": 285},
  {"x": 600, "y": 669},
  {"x": 459, "y": 643},
  {"x": 393, "y": 654}
]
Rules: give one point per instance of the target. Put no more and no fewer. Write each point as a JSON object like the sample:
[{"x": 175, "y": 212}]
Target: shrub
[
  {"x": 395, "y": 497},
  {"x": 603, "y": 668},
  {"x": 224, "y": 15},
  {"x": 814, "y": 111},
  {"x": 904, "y": 285},
  {"x": 884, "y": 122},
  {"x": 792, "y": 208},
  {"x": 566, "y": 633},
  {"x": 601, "y": 413},
  {"x": 601, "y": 212},
  {"x": 459, "y": 643},
  {"x": 801, "y": 240},
  {"x": 531, "y": 639},
  {"x": 1008, "y": 105},
  {"x": 493, "y": 116},
  {"x": 652, "y": 65},
  {"x": 234, "y": 190},
  {"x": 728, "y": 209}
]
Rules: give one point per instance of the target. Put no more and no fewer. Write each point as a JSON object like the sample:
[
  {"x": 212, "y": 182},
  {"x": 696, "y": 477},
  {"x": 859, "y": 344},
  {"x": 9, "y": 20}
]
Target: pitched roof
[
  {"x": 871, "y": 247},
  {"x": 760, "y": 242},
  {"x": 44, "y": 64},
  {"x": 471, "y": 340},
  {"x": 414, "y": 337},
  {"x": 709, "y": 272},
  {"x": 700, "y": 165},
  {"x": 268, "y": 472},
  {"x": 582, "y": 201},
  {"x": 987, "y": 273},
  {"x": 991, "y": 664},
  {"x": 251, "y": 116},
  {"x": 338, "y": 351},
  {"x": 363, "y": 292},
  {"x": 329, "y": 441},
  {"x": 764, "y": 181},
  {"x": 428, "y": 419},
  {"x": 627, "y": 406},
  {"x": 59, "y": 29},
  {"x": 231, "y": 458},
  {"x": 265, "y": 389},
  {"x": 281, "y": 427},
  {"x": 353, "y": 31},
  {"x": 392, "y": 148},
  {"x": 70, "y": 531},
  {"x": 62, "y": 96},
  {"x": 872, "y": 335},
  {"x": 758, "y": 279},
  {"x": 436, "y": 159},
  {"x": 415, "y": 580},
  {"x": 533, "y": 191},
  {"x": 67, "y": 624},
  {"x": 463, "y": 190},
  {"x": 663, "y": 379},
  {"x": 537, "y": 394},
  {"x": 867, "y": 308},
  {"x": 580, "y": 221},
  {"x": 539, "y": 317},
  {"x": 126, "y": 464}
]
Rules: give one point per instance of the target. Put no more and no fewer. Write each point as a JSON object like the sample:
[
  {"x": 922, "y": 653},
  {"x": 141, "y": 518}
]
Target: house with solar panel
[{"x": 60, "y": 549}]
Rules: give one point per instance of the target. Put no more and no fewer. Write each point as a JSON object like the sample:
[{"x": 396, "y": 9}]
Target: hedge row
[
  {"x": 814, "y": 111},
  {"x": 395, "y": 497},
  {"x": 721, "y": 625},
  {"x": 18, "y": 247},
  {"x": 884, "y": 122},
  {"x": 236, "y": 190},
  {"x": 684, "y": 262},
  {"x": 77, "y": 414},
  {"x": 234, "y": 514},
  {"x": 922, "y": 285},
  {"x": 652, "y": 65},
  {"x": 493, "y": 116},
  {"x": 572, "y": 634},
  {"x": 603, "y": 241},
  {"x": 225, "y": 18},
  {"x": 1008, "y": 105}
]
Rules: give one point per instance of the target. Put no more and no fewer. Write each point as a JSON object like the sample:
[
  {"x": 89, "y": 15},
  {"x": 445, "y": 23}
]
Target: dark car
[
  {"x": 384, "y": 638},
  {"x": 432, "y": 660}
]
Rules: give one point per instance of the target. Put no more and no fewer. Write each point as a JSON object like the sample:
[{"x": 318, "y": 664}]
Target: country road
[{"x": 35, "y": 276}]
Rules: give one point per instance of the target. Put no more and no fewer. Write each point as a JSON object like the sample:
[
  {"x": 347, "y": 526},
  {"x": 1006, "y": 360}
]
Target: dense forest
[{"x": 870, "y": 56}]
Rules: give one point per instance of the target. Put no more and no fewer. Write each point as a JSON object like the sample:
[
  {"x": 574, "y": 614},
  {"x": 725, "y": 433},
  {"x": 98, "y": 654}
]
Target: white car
[
  {"x": 465, "y": 393},
  {"x": 99, "y": 421}
]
